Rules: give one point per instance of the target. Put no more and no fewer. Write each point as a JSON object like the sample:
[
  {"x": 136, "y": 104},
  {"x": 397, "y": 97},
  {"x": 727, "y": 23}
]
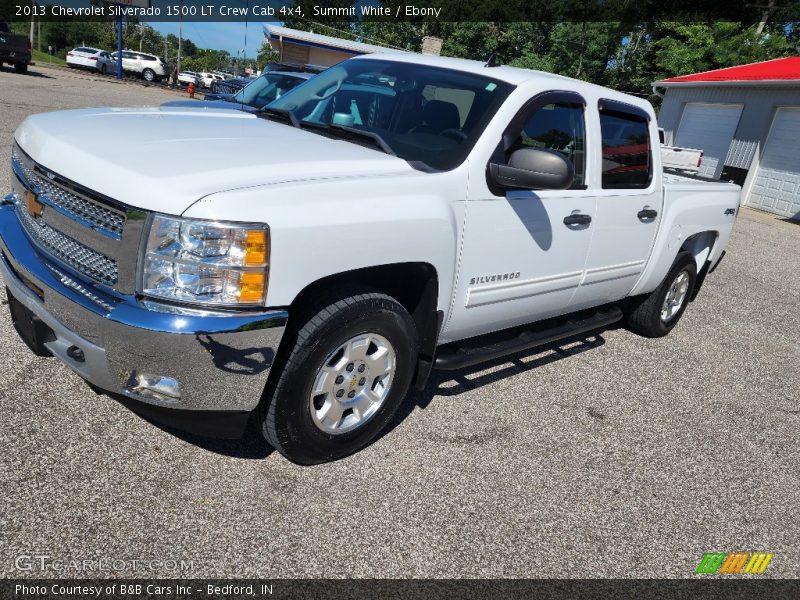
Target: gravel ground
[{"x": 625, "y": 457}]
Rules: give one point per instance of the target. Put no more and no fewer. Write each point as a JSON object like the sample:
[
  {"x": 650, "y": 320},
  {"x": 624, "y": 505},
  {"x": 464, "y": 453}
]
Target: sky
[
  {"x": 220, "y": 35},
  {"x": 228, "y": 36}
]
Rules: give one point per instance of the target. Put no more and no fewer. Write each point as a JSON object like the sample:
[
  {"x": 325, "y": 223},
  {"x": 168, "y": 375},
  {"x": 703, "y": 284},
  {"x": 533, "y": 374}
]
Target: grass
[{"x": 44, "y": 58}]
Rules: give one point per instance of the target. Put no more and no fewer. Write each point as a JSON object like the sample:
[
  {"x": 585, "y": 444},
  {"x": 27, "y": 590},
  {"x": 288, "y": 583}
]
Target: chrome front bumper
[{"x": 221, "y": 359}]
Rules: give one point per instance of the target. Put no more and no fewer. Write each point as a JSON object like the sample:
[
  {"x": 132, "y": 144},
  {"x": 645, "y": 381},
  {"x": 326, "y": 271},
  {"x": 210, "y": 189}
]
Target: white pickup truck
[
  {"x": 307, "y": 264},
  {"x": 682, "y": 160}
]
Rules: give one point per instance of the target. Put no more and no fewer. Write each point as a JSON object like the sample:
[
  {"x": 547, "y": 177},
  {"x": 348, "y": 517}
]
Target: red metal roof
[{"x": 779, "y": 69}]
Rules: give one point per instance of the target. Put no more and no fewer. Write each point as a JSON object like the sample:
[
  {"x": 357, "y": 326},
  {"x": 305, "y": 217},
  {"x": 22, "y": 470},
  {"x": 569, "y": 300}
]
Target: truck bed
[
  {"x": 671, "y": 178},
  {"x": 691, "y": 205}
]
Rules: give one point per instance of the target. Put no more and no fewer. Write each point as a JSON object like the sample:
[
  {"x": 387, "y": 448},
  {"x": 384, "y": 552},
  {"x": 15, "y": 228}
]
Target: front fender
[{"x": 320, "y": 228}]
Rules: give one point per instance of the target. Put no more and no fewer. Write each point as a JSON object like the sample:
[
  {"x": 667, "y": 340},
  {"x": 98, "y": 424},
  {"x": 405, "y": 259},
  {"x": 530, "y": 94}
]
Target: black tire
[
  {"x": 102, "y": 69},
  {"x": 285, "y": 414},
  {"x": 149, "y": 75},
  {"x": 645, "y": 316},
  {"x": 21, "y": 68}
]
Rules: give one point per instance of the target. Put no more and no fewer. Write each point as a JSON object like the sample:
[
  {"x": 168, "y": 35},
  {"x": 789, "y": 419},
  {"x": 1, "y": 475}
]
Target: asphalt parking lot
[{"x": 619, "y": 457}]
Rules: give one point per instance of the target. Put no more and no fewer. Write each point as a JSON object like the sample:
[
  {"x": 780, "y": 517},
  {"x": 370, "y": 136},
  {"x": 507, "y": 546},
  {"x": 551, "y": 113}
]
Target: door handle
[
  {"x": 577, "y": 219},
  {"x": 646, "y": 214}
]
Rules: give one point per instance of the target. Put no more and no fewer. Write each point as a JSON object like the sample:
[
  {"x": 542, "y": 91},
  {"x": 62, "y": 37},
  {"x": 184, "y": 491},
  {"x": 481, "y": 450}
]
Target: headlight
[{"x": 205, "y": 262}]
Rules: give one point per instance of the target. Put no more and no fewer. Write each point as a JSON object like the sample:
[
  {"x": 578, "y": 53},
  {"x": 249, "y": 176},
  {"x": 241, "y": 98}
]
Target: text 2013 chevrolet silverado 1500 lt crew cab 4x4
[{"x": 395, "y": 214}]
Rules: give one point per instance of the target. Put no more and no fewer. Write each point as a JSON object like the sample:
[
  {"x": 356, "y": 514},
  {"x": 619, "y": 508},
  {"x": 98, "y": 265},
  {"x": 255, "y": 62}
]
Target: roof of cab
[{"x": 512, "y": 75}]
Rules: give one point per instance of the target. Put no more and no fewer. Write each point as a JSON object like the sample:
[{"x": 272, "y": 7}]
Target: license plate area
[{"x": 30, "y": 328}]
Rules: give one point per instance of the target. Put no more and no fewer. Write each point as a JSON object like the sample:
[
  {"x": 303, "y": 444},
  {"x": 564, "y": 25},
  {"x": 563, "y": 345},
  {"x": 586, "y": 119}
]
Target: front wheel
[
  {"x": 21, "y": 68},
  {"x": 149, "y": 75},
  {"x": 655, "y": 315},
  {"x": 347, "y": 372},
  {"x": 102, "y": 69}
]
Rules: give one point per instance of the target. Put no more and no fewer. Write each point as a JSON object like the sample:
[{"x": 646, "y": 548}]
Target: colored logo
[
  {"x": 734, "y": 563},
  {"x": 33, "y": 205}
]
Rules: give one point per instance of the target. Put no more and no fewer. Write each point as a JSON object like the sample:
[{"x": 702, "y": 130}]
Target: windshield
[
  {"x": 266, "y": 88},
  {"x": 424, "y": 114}
]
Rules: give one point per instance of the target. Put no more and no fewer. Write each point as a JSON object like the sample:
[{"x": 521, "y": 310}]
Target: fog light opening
[{"x": 154, "y": 386}]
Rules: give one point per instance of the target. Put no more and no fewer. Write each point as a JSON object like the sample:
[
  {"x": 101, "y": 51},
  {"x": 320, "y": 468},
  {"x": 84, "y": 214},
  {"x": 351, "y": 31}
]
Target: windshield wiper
[
  {"x": 280, "y": 112},
  {"x": 351, "y": 133},
  {"x": 375, "y": 138}
]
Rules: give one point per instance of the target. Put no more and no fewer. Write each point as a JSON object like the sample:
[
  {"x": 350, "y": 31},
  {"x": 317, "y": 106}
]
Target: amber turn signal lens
[
  {"x": 256, "y": 248},
  {"x": 251, "y": 286}
]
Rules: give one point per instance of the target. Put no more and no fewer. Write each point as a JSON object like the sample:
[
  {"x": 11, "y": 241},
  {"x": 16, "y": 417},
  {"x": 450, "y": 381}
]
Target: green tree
[
  {"x": 207, "y": 60},
  {"x": 266, "y": 55}
]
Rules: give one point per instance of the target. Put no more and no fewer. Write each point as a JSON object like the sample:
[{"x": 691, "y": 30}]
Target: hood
[
  {"x": 208, "y": 104},
  {"x": 165, "y": 159}
]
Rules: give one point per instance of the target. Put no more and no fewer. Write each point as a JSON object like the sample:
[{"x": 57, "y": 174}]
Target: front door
[{"x": 521, "y": 261}]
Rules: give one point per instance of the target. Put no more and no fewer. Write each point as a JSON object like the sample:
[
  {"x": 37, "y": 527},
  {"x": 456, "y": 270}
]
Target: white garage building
[{"x": 747, "y": 122}]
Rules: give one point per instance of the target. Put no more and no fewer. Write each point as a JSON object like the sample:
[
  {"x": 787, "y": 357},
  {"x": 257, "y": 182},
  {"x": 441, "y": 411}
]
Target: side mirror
[{"x": 534, "y": 168}]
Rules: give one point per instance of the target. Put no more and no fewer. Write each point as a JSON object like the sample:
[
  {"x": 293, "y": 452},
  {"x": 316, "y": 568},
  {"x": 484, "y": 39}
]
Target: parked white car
[
  {"x": 95, "y": 59},
  {"x": 392, "y": 215},
  {"x": 207, "y": 78},
  {"x": 187, "y": 77},
  {"x": 147, "y": 66}
]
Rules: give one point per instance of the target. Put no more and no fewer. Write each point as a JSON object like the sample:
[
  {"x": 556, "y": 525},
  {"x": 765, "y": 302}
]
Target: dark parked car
[
  {"x": 228, "y": 86},
  {"x": 255, "y": 96}
]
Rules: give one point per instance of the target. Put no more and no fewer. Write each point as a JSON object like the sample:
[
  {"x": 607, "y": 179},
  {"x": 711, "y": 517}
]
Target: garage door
[
  {"x": 709, "y": 127},
  {"x": 776, "y": 186}
]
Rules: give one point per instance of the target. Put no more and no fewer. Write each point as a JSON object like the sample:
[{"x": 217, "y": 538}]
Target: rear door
[
  {"x": 130, "y": 62},
  {"x": 629, "y": 202}
]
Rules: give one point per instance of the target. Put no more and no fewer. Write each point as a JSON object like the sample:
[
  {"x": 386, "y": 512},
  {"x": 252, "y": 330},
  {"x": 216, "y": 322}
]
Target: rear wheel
[
  {"x": 21, "y": 68},
  {"x": 347, "y": 372},
  {"x": 655, "y": 315},
  {"x": 102, "y": 69}
]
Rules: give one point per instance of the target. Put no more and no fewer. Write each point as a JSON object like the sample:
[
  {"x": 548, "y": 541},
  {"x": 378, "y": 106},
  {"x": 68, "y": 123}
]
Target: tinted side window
[
  {"x": 559, "y": 127},
  {"x": 627, "y": 162}
]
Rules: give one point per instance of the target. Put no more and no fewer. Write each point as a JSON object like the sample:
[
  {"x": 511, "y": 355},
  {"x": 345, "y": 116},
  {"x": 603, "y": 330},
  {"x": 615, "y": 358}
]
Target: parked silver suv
[{"x": 148, "y": 66}]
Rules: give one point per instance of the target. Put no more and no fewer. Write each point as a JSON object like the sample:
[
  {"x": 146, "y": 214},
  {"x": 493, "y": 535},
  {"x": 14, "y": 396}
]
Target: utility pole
[
  {"x": 119, "y": 46},
  {"x": 180, "y": 36},
  {"x": 33, "y": 12},
  {"x": 39, "y": 33}
]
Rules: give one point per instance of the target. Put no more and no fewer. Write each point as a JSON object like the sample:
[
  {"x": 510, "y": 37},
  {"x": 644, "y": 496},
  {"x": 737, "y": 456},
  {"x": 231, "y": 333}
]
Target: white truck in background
[
  {"x": 395, "y": 214},
  {"x": 675, "y": 158}
]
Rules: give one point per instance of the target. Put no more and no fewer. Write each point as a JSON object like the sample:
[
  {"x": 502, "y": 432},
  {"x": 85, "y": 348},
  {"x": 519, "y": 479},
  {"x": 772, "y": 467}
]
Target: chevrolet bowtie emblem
[{"x": 33, "y": 205}]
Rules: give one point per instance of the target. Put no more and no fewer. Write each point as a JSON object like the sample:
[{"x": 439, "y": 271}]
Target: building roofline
[
  {"x": 318, "y": 40},
  {"x": 730, "y": 83}
]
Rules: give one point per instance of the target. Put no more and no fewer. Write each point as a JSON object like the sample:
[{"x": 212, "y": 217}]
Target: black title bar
[{"x": 404, "y": 11}]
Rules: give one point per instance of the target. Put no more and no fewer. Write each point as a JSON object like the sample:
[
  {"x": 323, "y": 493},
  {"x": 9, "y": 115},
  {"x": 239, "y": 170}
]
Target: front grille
[
  {"x": 97, "y": 216},
  {"x": 80, "y": 257}
]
